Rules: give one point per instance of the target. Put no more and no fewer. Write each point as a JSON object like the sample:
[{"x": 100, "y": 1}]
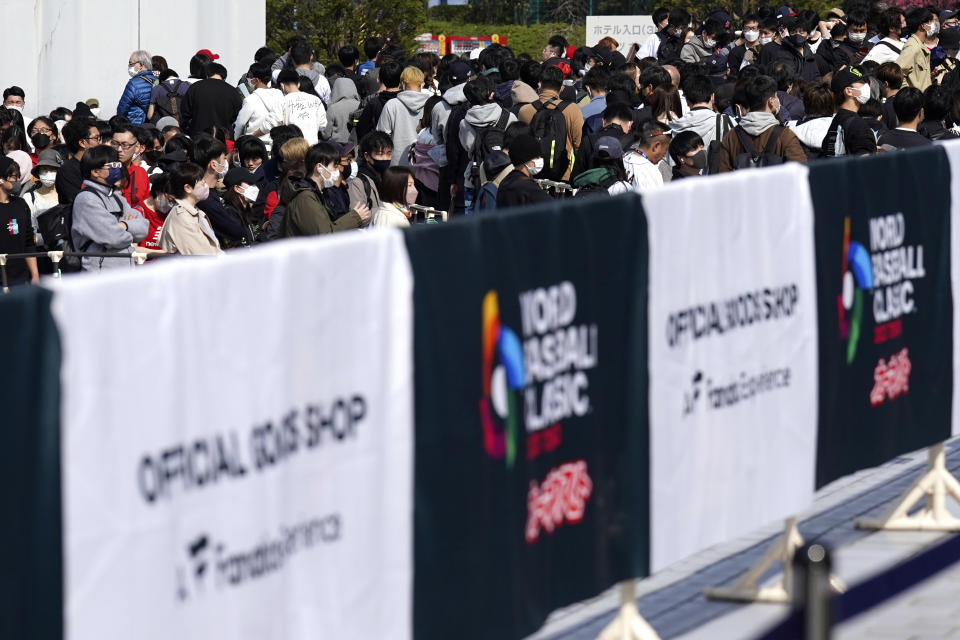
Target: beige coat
[
  {"x": 188, "y": 231},
  {"x": 915, "y": 61}
]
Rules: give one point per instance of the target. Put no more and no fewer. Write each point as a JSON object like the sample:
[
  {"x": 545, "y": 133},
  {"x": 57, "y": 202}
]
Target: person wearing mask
[
  {"x": 103, "y": 222},
  {"x": 518, "y": 188},
  {"x": 914, "y": 59},
  {"x": 15, "y": 218},
  {"x": 758, "y": 125},
  {"x": 617, "y": 122},
  {"x": 43, "y": 135},
  {"x": 944, "y": 56},
  {"x": 344, "y": 102},
  {"x": 397, "y": 191},
  {"x": 261, "y": 109},
  {"x": 891, "y": 24},
  {"x": 136, "y": 186},
  {"x": 909, "y": 107},
  {"x": 240, "y": 195},
  {"x": 135, "y": 99},
  {"x": 211, "y": 155},
  {"x": 14, "y": 98},
  {"x": 551, "y": 82},
  {"x": 308, "y": 212},
  {"x": 689, "y": 155},
  {"x": 79, "y": 136},
  {"x": 937, "y": 104},
  {"x": 401, "y": 117},
  {"x": 702, "y": 118},
  {"x": 854, "y": 47},
  {"x": 699, "y": 48},
  {"x": 44, "y": 195},
  {"x": 186, "y": 229},
  {"x": 650, "y": 46},
  {"x": 642, "y": 163},
  {"x": 819, "y": 108},
  {"x": 747, "y": 51},
  {"x": 302, "y": 109},
  {"x": 155, "y": 210},
  {"x": 375, "y": 152},
  {"x": 796, "y": 53},
  {"x": 848, "y": 133},
  {"x": 672, "y": 37},
  {"x": 210, "y": 103}
]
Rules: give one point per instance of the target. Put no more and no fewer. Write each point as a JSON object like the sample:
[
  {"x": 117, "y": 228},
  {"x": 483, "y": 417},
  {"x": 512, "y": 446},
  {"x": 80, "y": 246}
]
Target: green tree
[{"x": 331, "y": 24}]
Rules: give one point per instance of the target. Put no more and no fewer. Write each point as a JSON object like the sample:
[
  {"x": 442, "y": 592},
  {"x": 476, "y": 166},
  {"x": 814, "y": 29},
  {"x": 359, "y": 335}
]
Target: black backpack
[
  {"x": 54, "y": 225},
  {"x": 669, "y": 51},
  {"x": 168, "y": 104},
  {"x": 750, "y": 158},
  {"x": 715, "y": 149},
  {"x": 488, "y": 138},
  {"x": 550, "y": 128}
]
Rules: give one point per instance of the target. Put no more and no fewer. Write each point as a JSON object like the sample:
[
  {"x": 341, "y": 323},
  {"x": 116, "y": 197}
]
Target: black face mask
[
  {"x": 152, "y": 157},
  {"x": 796, "y": 40},
  {"x": 40, "y": 140},
  {"x": 380, "y": 166},
  {"x": 346, "y": 171}
]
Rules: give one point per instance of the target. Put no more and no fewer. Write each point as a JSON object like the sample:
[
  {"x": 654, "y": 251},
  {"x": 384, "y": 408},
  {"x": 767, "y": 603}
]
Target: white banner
[
  {"x": 624, "y": 29},
  {"x": 733, "y": 357},
  {"x": 952, "y": 148},
  {"x": 237, "y": 445}
]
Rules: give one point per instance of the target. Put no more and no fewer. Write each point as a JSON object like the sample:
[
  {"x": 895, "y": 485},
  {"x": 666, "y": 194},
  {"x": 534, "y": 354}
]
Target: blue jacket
[{"x": 136, "y": 97}]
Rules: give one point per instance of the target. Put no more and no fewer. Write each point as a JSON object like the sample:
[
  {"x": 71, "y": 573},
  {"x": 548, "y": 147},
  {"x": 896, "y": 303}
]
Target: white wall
[{"x": 64, "y": 51}]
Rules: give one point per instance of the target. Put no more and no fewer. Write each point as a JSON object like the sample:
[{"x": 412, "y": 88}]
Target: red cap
[
  {"x": 209, "y": 54},
  {"x": 568, "y": 54}
]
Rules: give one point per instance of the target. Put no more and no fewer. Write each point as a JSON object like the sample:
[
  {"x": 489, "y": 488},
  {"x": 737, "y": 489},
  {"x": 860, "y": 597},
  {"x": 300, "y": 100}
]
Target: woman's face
[
  {"x": 252, "y": 163},
  {"x": 411, "y": 192}
]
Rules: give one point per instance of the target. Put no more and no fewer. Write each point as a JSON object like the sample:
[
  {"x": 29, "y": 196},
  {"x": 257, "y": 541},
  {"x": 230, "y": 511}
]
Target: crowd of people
[{"x": 200, "y": 165}]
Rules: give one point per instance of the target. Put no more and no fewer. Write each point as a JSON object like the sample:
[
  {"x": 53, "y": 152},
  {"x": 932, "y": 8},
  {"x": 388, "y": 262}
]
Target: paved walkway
[{"x": 672, "y": 601}]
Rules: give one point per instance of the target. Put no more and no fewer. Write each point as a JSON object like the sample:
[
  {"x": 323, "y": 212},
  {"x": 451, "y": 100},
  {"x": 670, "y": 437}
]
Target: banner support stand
[
  {"x": 745, "y": 589},
  {"x": 934, "y": 484},
  {"x": 629, "y": 624}
]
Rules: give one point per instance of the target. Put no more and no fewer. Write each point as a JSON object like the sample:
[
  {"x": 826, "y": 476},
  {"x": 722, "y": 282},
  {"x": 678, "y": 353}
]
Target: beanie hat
[
  {"x": 5, "y": 164},
  {"x": 523, "y": 149}
]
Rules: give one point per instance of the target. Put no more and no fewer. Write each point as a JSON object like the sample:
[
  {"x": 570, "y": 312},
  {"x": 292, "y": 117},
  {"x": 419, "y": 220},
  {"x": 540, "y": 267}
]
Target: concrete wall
[{"x": 62, "y": 51}]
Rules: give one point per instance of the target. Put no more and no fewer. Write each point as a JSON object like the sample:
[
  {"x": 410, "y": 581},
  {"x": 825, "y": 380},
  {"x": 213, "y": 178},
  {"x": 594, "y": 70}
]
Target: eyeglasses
[
  {"x": 122, "y": 145},
  {"x": 96, "y": 137},
  {"x": 38, "y": 131}
]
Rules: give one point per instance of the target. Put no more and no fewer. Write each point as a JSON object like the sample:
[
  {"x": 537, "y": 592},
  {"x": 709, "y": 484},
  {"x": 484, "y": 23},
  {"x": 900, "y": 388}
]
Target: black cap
[
  {"x": 459, "y": 72},
  {"x": 846, "y": 77},
  {"x": 523, "y": 149},
  {"x": 238, "y": 175}
]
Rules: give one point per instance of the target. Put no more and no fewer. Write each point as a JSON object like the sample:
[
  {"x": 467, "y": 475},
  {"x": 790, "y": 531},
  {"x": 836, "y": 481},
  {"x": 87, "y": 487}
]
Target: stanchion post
[
  {"x": 56, "y": 257},
  {"x": 629, "y": 624},
  {"x": 934, "y": 485},
  {"x": 812, "y": 592},
  {"x": 3, "y": 273}
]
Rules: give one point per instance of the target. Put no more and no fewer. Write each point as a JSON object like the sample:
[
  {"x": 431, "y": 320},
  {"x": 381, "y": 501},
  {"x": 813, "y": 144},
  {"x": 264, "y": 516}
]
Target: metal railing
[{"x": 136, "y": 258}]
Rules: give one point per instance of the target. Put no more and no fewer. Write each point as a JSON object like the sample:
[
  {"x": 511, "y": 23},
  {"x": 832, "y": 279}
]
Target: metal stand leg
[
  {"x": 629, "y": 624},
  {"x": 935, "y": 484}
]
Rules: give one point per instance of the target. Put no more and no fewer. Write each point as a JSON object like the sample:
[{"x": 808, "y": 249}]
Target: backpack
[
  {"x": 55, "y": 226},
  {"x": 169, "y": 104},
  {"x": 669, "y": 50},
  {"x": 594, "y": 181},
  {"x": 488, "y": 138},
  {"x": 833, "y": 144},
  {"x": 550, "y": 128},
  {"x": 486, "y": 199},
  {"x": 714, "y": 149},
  {"x": 750, "y": 158}
]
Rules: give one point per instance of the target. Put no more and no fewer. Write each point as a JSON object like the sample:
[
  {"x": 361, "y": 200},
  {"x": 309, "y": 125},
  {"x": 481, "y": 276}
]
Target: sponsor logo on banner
[
  {"x": 887, "y": 271},
  {"x": 538, "y": 383}
]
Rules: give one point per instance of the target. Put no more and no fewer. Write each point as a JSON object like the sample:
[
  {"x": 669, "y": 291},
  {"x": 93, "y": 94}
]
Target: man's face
[
  {"x": 14, "y": 101},
  {"x": 252, "y": 163},
  {"x": 91, "y": 140},
  {"x": 766, "y": 33},
  {"x": 751, "y": 26},
  {"x": 857, "y": 28},
  {"x": 137, "y": 67},
  {"x": 126, "y": 145},
  {"x": 659, "y": 148}
]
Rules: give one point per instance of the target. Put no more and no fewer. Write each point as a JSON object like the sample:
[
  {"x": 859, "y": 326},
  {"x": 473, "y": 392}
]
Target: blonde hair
[
  {"x": 411, "y": 76},
  {"x": 294, "y": 151}
]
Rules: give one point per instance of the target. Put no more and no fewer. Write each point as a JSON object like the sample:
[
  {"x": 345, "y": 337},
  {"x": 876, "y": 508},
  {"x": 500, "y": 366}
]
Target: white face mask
[
  {"x": 933, "y": 29},
  {"x": 222, "y": 171},
  {"x": 250, "y": 193},
  {"x": 354, "y": 169},
  {"x": 766, "y": 40},
  {"x": 537, "y": 166},
  {"x": 709, "y": 44},
  {"x": 95, "y": 111},
  {"x": 47, "y": 178},
  {"x": 332, "y": 179},
  {"x": 15, "y": 107},
  {"x": 864, "y": 96},
  {"x": 857, "y": 38},
  {"x": 751, "y": 36},
  {"x": 132, "y": 70}
]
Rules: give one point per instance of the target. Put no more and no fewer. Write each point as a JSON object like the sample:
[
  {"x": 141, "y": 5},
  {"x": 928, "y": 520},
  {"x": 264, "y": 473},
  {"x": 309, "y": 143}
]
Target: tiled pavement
[{"x": 672, "y": 601}]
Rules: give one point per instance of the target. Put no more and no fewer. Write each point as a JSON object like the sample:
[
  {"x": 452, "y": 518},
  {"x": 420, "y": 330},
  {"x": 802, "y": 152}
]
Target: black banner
[
  {"x": 31, "y": 590},
  {"x": 531, "y": 478},
  {"x": 885, "y": 307}
]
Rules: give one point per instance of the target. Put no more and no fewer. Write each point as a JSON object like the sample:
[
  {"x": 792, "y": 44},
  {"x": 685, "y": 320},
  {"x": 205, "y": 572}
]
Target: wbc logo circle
[
  {"x": 504, "y": 376},
  {"x": 857, "y": 278}
]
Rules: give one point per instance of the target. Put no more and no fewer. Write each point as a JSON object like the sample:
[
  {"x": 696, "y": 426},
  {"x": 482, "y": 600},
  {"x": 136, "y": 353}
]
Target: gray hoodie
[
  {"x": 695, "y": 51},
  {"x": 344, "y": 101},
  {"x": 756, "y": 122},
  {"x": 704, "y": 123},
  {"x": 441, "y": 112},
  {"x": 96, "y": 212},
  {"x": 400, "y": 119},
  {"x": 479, "y": 116}
]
